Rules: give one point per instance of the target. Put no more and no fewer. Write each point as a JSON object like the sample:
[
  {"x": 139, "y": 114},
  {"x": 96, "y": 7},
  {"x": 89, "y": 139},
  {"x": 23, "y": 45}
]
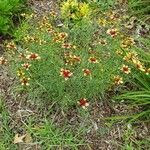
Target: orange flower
[
  {"x": 93, "y": 60},
  {"x": 25, "y": 81},
  {"x": 3, "y": 61},
  {"x": 83, "y": 103},
  {"x": 26, "y": 66},
  {"x": 86, "y": 72},
  {"x": 33, "y": 56},
  {"x": 112, "y": 32},
  {"x": 118, "y": 80},
  {"x": 126, "y": 69},
  {"x": 65, "y": 73}
]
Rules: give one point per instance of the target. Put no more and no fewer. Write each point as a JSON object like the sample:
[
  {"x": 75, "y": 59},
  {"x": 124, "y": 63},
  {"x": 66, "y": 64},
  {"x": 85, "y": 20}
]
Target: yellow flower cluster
[{"x": 73, "y": 9}]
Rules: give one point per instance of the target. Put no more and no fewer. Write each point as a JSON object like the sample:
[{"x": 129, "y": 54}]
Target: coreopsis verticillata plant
[
  {"x": 126, "y": 69},
  {"x": 80, "y": 51},
  {"x": 83, "y": 103},
  {"x": 66, "y": 74},
  {"x": 3, "y": 61}
]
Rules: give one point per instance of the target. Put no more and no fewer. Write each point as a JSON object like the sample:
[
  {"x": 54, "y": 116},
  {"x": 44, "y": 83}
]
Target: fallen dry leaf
[
  {"x": 28, "y": 138},
  {"x": 18, "y": 139}
]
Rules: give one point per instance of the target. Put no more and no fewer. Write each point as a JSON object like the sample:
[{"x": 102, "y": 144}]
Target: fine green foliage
[
  {"x": 139, "y": 7},
  {"x": 9, "y": 8},
  {"x": 81, "y": 59}
]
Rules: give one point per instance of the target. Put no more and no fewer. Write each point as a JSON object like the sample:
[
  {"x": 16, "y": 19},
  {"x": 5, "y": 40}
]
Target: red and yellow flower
[
  {"x": 65, "y": 73},
  {"x": 3, "y": 61},
  {"x": 93, "y": 60},
  {"x": 86, "y": 72},
  {"x": 33, "y": 56},
  {"x": 112, "y": 32},
  {"x": 83, "y": 103},
  {"x": 66, "y": 45},
  {"x": 102, "y": 42},
  {"x": 26, "y": 66},
  {"x": 11, "y": 45},
  {"x": 62, "y": 35},
  {"x": 118, "y": 80},
  {"x": 126, "y": 69},
  {"x": 25, "y": 81}
]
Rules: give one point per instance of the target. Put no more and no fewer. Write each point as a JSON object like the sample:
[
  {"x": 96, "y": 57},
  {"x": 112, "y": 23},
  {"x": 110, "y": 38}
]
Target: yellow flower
[
  {"x": 75, "y": 10},
  {"x": 84, "y": 10}
]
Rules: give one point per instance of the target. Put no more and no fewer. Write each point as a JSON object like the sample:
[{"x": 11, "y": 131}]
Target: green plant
[
  {"x": 8, "y": 9},
  {"x": 73, "y": 62},
  {"x": 6, "y": 134},
  {"x": 51, "y": 138},
  {"x": 140, "y": 97},
  {"x": 139, "y": 7}
]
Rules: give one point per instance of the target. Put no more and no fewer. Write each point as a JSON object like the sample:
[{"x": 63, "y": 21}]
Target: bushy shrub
[
  {"x": 65, "y": 63},
  {"x": 8, "y": 8}
]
